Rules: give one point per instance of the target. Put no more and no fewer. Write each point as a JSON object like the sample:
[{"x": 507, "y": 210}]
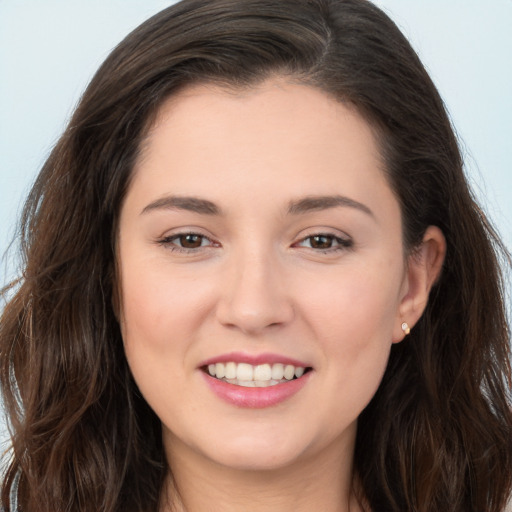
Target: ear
[{"x": 424, "y": 266}]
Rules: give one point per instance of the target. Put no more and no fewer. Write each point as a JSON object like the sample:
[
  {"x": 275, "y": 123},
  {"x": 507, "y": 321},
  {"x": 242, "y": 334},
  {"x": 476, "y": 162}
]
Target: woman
[{"x": 256, "y": 279}]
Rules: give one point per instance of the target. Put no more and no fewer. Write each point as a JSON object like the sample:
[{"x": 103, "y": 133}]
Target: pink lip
[
  {"x": 254, "y": 359},
  {"x": 255, "y": 398}
]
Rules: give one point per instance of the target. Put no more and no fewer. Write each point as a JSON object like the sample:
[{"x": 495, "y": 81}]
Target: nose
[{"x": 254, "y": 296}]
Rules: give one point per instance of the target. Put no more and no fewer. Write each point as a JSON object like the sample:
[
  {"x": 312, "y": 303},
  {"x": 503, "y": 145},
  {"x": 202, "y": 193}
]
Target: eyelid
[
  {"x": 341, "y": 240},
  {"x": 344, "y": 241},
  {"x": 168, "y": 239}
]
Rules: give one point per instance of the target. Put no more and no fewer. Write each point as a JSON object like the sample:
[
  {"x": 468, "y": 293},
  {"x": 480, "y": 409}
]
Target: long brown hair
[{"x": 438, "y": 433}]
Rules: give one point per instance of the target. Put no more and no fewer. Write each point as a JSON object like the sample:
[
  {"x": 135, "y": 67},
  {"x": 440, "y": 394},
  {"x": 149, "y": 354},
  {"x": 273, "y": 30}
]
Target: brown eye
[
  {"x": 190, "y": 241},
  {"x": 321, "y": 241},
  {"x": 187, "y": 242},
  {"x": 325, "y": 242}
]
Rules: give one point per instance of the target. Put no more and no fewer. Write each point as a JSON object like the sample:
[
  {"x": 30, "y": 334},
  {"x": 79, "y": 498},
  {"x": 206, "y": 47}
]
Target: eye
[
  {"x": 325, "y": 242},
  {"x": 186, "y": 242},
  {"x": 190, "y": 241}
]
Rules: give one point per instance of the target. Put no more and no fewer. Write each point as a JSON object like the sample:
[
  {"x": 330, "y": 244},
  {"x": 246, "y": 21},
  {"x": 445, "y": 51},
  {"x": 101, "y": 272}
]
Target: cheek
[
  {"x": 157, "y": 325},
  {"x": 145, "y": 310},
  {"x": 157, "y": 306},
  {"x": 353, "y": 322},
  {"x": 356, "y": 305},
  {"x": 360, "y": 331}
]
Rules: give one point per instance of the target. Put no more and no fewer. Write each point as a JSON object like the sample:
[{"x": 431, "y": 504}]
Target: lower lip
[{"x": 256, "y": 398}]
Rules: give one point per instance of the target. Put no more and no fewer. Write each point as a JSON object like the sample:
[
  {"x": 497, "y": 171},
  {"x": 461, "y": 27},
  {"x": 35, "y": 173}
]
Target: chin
[
  {"x": 264, "y": 450},
  {"x": 255, "y": 457}
]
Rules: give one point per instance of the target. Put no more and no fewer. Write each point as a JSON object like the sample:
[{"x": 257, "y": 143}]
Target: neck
[{"x": 320, "y": 483}]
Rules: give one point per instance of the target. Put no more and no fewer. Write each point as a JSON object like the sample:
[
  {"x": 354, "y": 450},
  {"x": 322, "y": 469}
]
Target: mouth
[{"x": 255, "y": 376}]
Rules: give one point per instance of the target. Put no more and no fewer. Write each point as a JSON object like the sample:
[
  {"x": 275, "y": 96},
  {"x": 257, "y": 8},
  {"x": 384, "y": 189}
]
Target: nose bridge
[{"x": 254, "y": 296}]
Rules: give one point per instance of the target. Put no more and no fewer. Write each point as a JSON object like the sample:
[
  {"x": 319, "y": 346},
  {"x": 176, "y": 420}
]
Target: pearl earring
[{"x": 406, "y": 328}]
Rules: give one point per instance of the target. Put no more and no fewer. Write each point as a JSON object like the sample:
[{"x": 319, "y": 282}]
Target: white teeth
[
  {"x": 277, "y": 371},
  {"x": 262, "y": 375},
  {"x": 247, "y": 383},
  {"x": 244, "y": 371},
  {"x": 254, "y": 383},
  {"x": 231, "y": 371},
  {"x": 263, "y": 372},
  {"x": 289, "y": 372},
  {"x": 220, "y": 370}
]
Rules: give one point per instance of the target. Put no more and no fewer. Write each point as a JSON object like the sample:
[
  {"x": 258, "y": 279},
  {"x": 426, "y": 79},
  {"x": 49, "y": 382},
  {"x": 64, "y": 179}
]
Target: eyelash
[
  {"x": 342, "y": 243},
  {"x": 169, "y": 242}
]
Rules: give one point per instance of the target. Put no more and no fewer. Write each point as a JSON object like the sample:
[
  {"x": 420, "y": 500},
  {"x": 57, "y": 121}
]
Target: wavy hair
[{"x": 438, "y": 433}]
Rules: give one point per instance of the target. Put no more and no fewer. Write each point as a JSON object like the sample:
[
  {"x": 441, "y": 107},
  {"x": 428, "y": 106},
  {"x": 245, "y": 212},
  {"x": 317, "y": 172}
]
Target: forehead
[
  {"x": 278, "y": 135},
  {"x": 278, "y": 96},
  {"x": 277, "y": 109}
]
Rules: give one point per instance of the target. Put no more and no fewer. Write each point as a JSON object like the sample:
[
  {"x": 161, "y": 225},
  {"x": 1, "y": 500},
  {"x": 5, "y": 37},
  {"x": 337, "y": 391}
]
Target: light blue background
[{"x": 49, "y": 49}]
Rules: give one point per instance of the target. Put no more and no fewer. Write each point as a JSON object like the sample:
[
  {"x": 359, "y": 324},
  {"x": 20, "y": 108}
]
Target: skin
[{"x": 259, "y": 283}]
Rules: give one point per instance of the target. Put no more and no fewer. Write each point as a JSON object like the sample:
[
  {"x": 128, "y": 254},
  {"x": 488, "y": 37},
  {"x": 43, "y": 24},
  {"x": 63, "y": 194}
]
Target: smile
[{"x": 255, "y": 376}]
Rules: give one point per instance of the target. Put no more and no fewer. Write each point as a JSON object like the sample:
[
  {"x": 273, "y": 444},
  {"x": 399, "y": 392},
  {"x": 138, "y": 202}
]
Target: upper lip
[{"x": 254, "y": 359}]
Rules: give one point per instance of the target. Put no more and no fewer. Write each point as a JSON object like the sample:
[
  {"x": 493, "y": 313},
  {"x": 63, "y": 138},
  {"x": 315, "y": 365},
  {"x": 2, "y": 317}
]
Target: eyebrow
[
  {"x": 316, "y": 203},
  {"x": 298, "y": 207},
  {"x": 191, "y": 204}
]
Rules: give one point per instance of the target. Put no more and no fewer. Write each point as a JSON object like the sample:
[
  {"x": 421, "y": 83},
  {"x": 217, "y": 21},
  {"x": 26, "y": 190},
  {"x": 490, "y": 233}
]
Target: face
[{"x": 261, "y": 273}]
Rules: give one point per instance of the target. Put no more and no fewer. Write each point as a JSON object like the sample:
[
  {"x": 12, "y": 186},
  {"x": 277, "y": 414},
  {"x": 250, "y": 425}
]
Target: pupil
[
  {"x": 321, "y": 242},
  {"x": 191, "y": 241}
]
